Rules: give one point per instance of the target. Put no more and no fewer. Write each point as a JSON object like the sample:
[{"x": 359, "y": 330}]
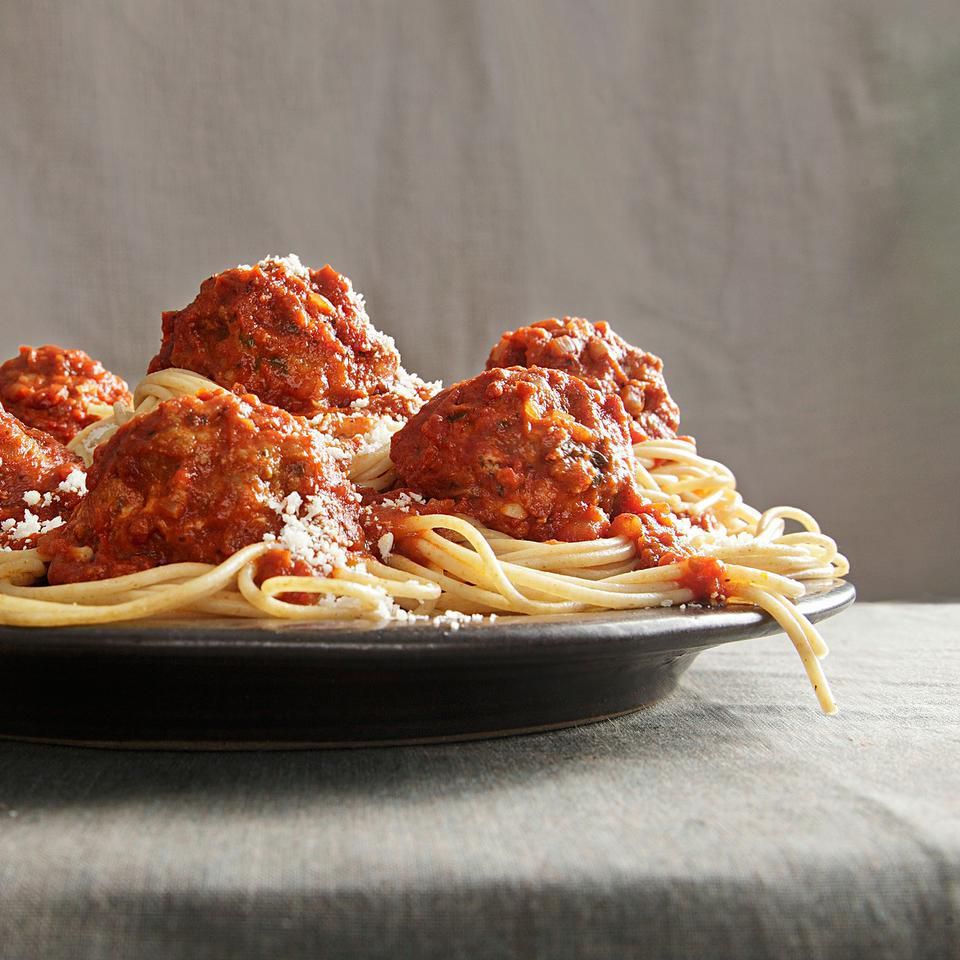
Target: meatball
[
  {"x": 299, "y": 339},
  {"x": 593, "y": 352},
  {"x": 41, "y": 482},
  {"x": 196, "y": 479},
  {"x": 537, "y": 454},
  {"x": 59, "y": 391}
]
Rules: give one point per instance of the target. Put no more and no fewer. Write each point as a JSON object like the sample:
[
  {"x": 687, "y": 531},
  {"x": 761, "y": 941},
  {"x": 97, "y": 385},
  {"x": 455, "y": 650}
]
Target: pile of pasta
[{"x": 460, "y": 569}]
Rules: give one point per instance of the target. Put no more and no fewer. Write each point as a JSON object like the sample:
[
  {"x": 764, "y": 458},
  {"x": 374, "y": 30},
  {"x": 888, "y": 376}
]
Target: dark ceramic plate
[{"x": 228, "y": 684}]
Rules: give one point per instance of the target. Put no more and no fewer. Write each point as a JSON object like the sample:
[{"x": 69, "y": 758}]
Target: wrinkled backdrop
[{"x": 767, "y": 195}]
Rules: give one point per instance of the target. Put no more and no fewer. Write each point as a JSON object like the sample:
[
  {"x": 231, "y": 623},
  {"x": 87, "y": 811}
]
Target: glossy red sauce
[
  {"x": 593, "y": 352},
  {"x": 305, "y": 345},
  {"x": 32, "y": 462},
  {"x": 192, "y": 481},
  {"x": 705, "y": 578},
  {"x": 653, "y": 528},
  {"x": 52, "y": 389},
  {"x": 385, "y": 512}
]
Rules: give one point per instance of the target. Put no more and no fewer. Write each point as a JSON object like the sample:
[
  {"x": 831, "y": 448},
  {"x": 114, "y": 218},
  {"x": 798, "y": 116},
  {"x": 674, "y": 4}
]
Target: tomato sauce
[
  {"x": 33, "y": 466},
  {"x": 704, "y": 577},
  {"x": 653, "y": 528},
  {"x": 58, "y": 391}
]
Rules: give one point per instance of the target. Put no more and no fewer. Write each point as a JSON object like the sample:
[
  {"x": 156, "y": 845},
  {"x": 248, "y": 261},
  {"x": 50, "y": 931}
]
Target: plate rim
[{"x": 687, "y": 629}]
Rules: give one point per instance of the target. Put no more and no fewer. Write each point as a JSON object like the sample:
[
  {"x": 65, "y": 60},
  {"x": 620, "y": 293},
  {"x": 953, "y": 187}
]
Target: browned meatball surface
[
  {"x": 200, "y": 477},
  {"x": 534, "y": 453},
  {"x": 299, "y": 339},
  {"x": 593, "y": 352}
]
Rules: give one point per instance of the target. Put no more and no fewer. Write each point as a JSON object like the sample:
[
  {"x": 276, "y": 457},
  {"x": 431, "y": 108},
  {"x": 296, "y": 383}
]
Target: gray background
[{"x": 765, "y": 194}]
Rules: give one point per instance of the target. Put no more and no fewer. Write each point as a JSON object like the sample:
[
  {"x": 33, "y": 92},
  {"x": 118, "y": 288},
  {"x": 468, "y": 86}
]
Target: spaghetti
[
  {"x": 452, "y": 564},
  {"x": 433, "y": 553}
]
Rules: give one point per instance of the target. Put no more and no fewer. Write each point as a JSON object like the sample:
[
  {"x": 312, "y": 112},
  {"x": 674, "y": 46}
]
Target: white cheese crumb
[
  {"x": 313, "y": 535},
  {"x": 402, "y": 500},
  {"x": 75, "y": 482},
  {"x": 378, "y": 436},
  {"x": 31, "y": 498},
  {"x": 454, "y": 618},
  {"x": 30, "y": 526},
  {"x": 385, "y": 546},
  {"x": 290, "y": 264}
]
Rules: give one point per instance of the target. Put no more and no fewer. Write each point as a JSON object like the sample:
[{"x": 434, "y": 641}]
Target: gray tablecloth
[{"x": 731, "y": 820}]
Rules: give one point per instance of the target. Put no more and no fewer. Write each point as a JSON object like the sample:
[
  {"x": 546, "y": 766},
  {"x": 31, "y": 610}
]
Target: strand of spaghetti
[
  {"x": 99, "y": 410},
  {"x": 664, "y": 574},
  {"x": 616, "y": 552},
  {"x": 559, "y": 566},
  {"x": 381, "y": 570},
  {"x": 410, "y": 589},
  {"x": 415, "y": 523},
  {"x": 665, "y": 447},
  {"x": 473, "y": 568},
  {"x": 375, "y": 461},
  {"x": 678, "y": 450},
  {"x": 766, "y": 580},
  {"x": 695, "y": 483},
  {"x": 21, "y": 611},
  {"x": 227, "y": 603},
  {"x": 462, "y": 563},
  {"x": 841, "y": 566},
  {"x": 21, "y": 565},
  {"x": 791, "y": 622},
  {"x": 502, "y": 542},
  {"x": 571, "y": 588},
  {"x": 786, "y": 561},
  {"x": 83, "y": 444},
  {"x": 593, "y": 573},
  {"x": 643, "y": 476},
  {"x": 741, "y": 576},
  {"x": 172, "y": 382},
  {"x": 477, "y": 596},
  {"x": 769, "y": 517},
  {"x": 704, "y": 504},
  {"x": 334, "y": 585},
  {"x": 78, "y": 592},
  {"x": 351, "y": 600},
  {"x": 811, "y": 541},
  {"x": 581, "y": 554},
  {"x": 818, "y": 548}
]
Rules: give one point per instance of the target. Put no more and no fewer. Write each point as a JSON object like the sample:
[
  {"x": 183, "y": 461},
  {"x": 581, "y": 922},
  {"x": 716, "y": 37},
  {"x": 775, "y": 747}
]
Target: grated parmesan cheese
[
  {"x": 290, "y": 264},
  {"x": 30, "y": 526},
  {"x": 402, "y": 500},
  {"x": 454, "y": 618},
  {"x": 378, "y": 436},
  {"x": 310, "y": 531},
  {"x": 385, "y": 546},
  {"x": 75, "y": 482}
]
